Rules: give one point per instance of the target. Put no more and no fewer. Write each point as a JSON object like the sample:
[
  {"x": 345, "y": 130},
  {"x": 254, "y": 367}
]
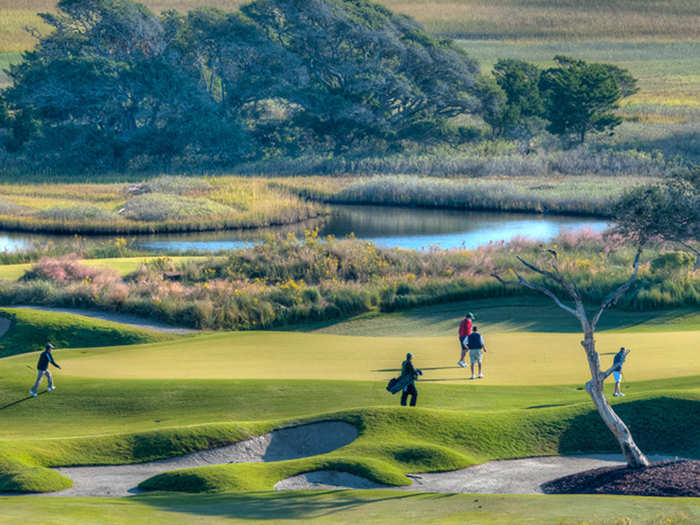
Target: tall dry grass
[
  {"x": 161, "y": 204},
  {"x": 287, "y": 281},
  {"x": 503, "y": 19}
]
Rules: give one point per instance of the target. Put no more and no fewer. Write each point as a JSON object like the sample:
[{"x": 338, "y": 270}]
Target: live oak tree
[
  {"x": 103, "y": 88},
  {"x": 581, "y": 97},
  {"x": 114, "y": 84},
  {"x": 555, "y": 283},
  {"x": 367, "y": 73}
]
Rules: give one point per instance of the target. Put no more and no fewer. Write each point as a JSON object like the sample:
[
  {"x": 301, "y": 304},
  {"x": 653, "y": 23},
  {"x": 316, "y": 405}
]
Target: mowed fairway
[
  {"x": 518, "y": 358},
  {"x": 352, "y": 507}
]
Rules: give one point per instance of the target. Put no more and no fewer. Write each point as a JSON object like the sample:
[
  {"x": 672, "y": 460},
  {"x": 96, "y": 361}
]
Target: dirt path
[
  {"x": 513, "y": 476},
  {"x": 131, "y": 320}
]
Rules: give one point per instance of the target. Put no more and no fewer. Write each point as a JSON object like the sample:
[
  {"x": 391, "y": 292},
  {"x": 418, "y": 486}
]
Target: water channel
[{"x": 410, "y": 228}]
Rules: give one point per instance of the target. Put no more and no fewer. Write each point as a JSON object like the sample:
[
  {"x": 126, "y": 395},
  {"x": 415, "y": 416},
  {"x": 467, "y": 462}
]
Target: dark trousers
[{"x": 410, "y": 389}]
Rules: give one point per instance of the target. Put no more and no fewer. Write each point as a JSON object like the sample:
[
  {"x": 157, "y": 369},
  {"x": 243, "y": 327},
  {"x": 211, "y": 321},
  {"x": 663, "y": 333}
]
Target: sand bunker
[
  {"x": 514, "y": 476},
  {"x": 325, "y": 480},
  {"x": 5, "y": 324},
  {"x": 287, "y": 443}
]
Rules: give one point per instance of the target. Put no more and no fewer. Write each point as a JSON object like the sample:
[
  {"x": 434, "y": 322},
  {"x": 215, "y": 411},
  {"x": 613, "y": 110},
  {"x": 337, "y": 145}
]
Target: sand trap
[
  {"x": 287, "y": 443},
  {"x": 515, "y": 476},
  {"x": 5, "y": 324},
  {"x": 131, "y": 320},
  {"x": 325, "y": 480}
]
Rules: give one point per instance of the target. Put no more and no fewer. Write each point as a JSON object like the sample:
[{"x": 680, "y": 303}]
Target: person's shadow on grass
[{"x": 16, "y": 402}]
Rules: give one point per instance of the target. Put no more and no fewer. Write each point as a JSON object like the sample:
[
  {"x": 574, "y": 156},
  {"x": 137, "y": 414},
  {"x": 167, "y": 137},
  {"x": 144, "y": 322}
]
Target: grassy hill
[{"x": 30, "y": 330}]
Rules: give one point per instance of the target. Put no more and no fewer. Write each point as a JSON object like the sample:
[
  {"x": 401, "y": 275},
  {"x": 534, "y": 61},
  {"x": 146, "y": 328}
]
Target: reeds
[
  {"x": 161, "y": 204},
  {"x": 287, "y": 280},
  {"x": 562, "y": 195}
]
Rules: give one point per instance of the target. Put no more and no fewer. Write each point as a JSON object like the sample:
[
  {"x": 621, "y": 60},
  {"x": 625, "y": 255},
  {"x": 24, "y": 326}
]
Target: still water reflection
[{"x": 387, "y": 226}]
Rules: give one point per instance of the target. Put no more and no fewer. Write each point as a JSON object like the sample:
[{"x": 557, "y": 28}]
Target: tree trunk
[{"x": 635, "y": 457}]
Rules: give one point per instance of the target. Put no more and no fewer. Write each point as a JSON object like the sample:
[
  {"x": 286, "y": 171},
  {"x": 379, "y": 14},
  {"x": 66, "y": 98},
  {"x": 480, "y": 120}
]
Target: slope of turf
[
  {"x": 501, "y": 315},
  {"x": 31, "y": 329},
  {"x": 513, "y": 358},
  {"x": 391, "y": 441}
]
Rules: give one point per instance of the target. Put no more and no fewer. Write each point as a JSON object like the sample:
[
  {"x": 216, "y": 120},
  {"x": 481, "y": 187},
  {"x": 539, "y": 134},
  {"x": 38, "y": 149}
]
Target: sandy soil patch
[
  {"x": 513, "y": 476},
  {"x": 287, "y": 443}
]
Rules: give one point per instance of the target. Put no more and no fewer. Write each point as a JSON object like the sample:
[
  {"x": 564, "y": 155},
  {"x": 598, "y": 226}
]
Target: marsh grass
[
  {"x": 180, "y": 204},
  {"x": 287, "y": 281},
  {"x": 562, "y": 194}
]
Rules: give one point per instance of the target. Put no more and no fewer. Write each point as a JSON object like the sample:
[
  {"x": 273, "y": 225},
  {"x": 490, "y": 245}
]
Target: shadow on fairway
[
  {"x": 267, "y": 505},
  {"x": 662, "y": 425},
  {"x": 422, "y": 368},
  {"x": 13, "y": 403}
]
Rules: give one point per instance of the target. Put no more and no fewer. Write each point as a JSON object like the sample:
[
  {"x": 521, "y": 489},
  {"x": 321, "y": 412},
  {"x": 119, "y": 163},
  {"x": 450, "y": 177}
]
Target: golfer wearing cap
[
  {"x": 409, "y": 373},
  {"x": 465, "y": 328},
  {"x": 45, "y": 358}
]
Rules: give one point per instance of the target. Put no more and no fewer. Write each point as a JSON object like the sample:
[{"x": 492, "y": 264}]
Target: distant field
[
  {"x": 492, "y": 19},
  {"x": 668, "y": 72}
]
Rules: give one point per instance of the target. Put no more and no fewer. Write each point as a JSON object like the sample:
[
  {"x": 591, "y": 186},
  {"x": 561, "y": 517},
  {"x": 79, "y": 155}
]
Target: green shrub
[{"x": 672, "y": 262}]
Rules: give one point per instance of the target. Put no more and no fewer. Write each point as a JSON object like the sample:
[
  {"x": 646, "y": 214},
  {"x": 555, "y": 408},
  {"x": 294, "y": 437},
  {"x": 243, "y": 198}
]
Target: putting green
[{"x": 512, "y": 358}]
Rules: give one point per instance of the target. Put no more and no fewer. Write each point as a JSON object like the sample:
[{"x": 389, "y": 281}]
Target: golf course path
[
  {"x": 287, "y": 443},
  {"x": 513, "y": 476},
  {"x": 131, "y": 320}
]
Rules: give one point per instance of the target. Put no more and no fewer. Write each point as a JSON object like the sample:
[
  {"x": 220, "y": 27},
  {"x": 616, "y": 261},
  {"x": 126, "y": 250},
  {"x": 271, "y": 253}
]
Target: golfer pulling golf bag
[{"x": 397, "y": 384}]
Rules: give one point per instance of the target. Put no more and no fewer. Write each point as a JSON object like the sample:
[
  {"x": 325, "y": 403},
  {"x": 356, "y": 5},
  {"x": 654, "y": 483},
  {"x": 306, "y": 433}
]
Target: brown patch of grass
[{"x": 516, "y": 19}]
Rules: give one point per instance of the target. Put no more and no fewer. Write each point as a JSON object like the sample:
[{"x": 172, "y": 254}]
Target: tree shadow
[{"x": 661, "y": 425}]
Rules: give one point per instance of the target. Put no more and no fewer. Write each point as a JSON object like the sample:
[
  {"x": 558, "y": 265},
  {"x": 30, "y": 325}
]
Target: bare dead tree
[{"x": 634, "y": 456}]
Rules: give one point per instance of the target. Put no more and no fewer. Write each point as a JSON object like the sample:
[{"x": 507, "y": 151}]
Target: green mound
[
  {"x": 19, "y": 477},
  {"x": 393, "y": 441},
  {"x": 30, "y": 330},
  {"x": 501, "y": 315}
]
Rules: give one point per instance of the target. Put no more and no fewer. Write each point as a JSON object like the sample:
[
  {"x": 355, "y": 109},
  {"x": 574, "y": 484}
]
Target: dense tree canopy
[
  {"x": 519, "y": 81},
  {"x": 581, "y": 97},
  {"x": 114, "y": 84}
]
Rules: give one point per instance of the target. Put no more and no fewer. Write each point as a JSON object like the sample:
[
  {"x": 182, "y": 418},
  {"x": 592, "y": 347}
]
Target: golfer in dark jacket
[
  {"x": 476, "y": 350},
  {"x": 45, "y": 358},
  {"x": 409, "y": 373},
  {"x": 618, "y": 361}
]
